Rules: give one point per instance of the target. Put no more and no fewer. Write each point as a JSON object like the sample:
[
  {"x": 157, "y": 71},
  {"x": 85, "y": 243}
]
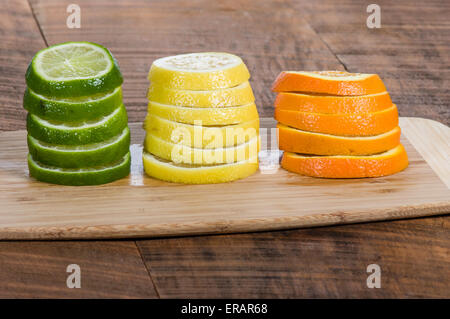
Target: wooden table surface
[{"x": 411, "y": 52}]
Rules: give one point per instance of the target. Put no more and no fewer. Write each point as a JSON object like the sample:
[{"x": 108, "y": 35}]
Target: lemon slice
[
  {"x": 201, "y": 137},
  {"x": 199, "y": 71},
  {"x": 73, "y": 69},
  {"x": 238, "y": 95},
  {"x": 78, "y": 156},
  {"x": 204, "y": 116},
  {"x": 82, "y": 176},
  {"x": 197, "y": 174},
  {"x": 179, "y": 153}
]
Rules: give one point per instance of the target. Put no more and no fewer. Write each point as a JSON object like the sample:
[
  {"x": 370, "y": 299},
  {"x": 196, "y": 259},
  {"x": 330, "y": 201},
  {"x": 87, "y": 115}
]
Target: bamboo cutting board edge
[
  {"x": 437, "y": 153},
  {"x": 416, "y": 130},
  {"x": 221, "y": 227}
]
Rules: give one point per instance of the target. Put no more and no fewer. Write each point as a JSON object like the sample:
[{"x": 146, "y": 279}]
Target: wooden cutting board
[{"x": 139, "y": 206}]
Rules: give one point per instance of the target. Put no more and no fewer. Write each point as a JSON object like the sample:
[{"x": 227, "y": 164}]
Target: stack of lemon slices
[
  {"x": 337, "y": 124},
  {"x": 202, "y": 124},
  {"x": 77, "y": 123}
]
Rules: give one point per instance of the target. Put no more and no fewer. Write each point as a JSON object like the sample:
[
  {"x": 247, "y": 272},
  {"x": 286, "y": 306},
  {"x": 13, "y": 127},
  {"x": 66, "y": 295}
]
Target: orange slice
[
  {"x": 330, "y": 104},
  {"x": 364, "y": 124},
  {"x": 328, "y": 82},
  {"x": 298, "y": 141},
  {"x": 387, "y": 163}
]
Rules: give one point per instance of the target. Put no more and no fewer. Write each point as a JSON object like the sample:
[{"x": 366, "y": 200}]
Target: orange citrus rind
[
  {"x": 298, "y": 141},
  {"x": 387, "y": 163},
  {"x": 329, "y": 104},
  {"x": 364, "y": 124},
  {"x": 328, "y": 82}
]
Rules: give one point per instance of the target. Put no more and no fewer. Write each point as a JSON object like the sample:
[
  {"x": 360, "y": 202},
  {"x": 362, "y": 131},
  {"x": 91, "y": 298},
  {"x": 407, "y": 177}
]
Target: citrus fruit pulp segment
[
  {"x": 77, "y": 133},
  {"x": 330, "y": 104},
  {"x": 72, "y": 109},
  {"x": 238, "y": 95},
  {"x": 73, "y": 69},
  {"x": 83, "y": 176},
  {"x": 232, "y": 135},
  {"x": 195, "y": 174},
  {"x": 364, "y": 124},
  {"x": 387, "y": 163},
  {"x": 298, "y": 141},
  {"x": 179, "y": 153},
  {"x": 199, "y": 71},
  {"x": 65, "y": 156},
  {"x": 328, "y": 82},
  {"x": 204, "y": 116}
]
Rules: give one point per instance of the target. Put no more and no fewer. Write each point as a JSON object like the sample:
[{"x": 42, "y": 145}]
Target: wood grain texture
[
  {"x": 426, "y": 147},
  {"x": 139, "y": 206},
  {"x": 38, "y": 270},
  {"x": 279, "y": 264},
  {"x": 137, "y": 32},
  {"x": 326, "y": 262},
  {"x": 20, "y": 40},
  {"x": 410, "y": 52}
]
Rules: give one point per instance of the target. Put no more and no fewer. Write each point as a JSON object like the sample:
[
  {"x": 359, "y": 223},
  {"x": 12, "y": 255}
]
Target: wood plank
[
  {"x": 327, "y": 262},
  {"x": 38, "y": 270},
  {"x": 269, "y": 35},
  {"x": 411, "y": 50},
  {"x": 422, "y": 277},
  {"x": 418, "y": 133},
  {"x": 139, "y": 206},
  {"x": 20, "y": 40},
  {"x": 109, "y": 269}
]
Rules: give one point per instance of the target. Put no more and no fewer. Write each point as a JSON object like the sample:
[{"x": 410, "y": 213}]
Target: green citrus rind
[
  {"x": 98, "y": 154},
  {"x": 74, "y": 109},
  {"x": 77, "y": 133},
  {"x": 105, "y": 81},
  {"x": 80, "y": 177}
]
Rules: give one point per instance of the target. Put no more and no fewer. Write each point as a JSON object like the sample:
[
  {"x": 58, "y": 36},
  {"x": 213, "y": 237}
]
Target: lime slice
[
  {"x": 199, "y": 71},
  {"x": 77, "y": 133},
  {"x": 68, "y": 156},
  {"x": 73, "y": 69},
  {"x": 72, "y": 109},
  {"x": 197, "y": 174},
  {"x": 205, "y": 115},
  {"x": 83, "y": 176},
  {"x": 238, "y": 95}
]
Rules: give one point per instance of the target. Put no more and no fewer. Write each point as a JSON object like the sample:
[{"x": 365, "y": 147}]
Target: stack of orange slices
[{"x": 335, "y": 124}]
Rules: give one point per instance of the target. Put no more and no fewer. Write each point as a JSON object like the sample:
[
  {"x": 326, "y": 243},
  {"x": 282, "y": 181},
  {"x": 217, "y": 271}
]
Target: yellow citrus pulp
[{"x": 202, "y": 124}]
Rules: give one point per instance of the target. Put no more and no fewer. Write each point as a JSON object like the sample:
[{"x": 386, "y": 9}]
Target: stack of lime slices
[
  {"x": 77, "y": 123},
  {"x": 202, "y": 123}
]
